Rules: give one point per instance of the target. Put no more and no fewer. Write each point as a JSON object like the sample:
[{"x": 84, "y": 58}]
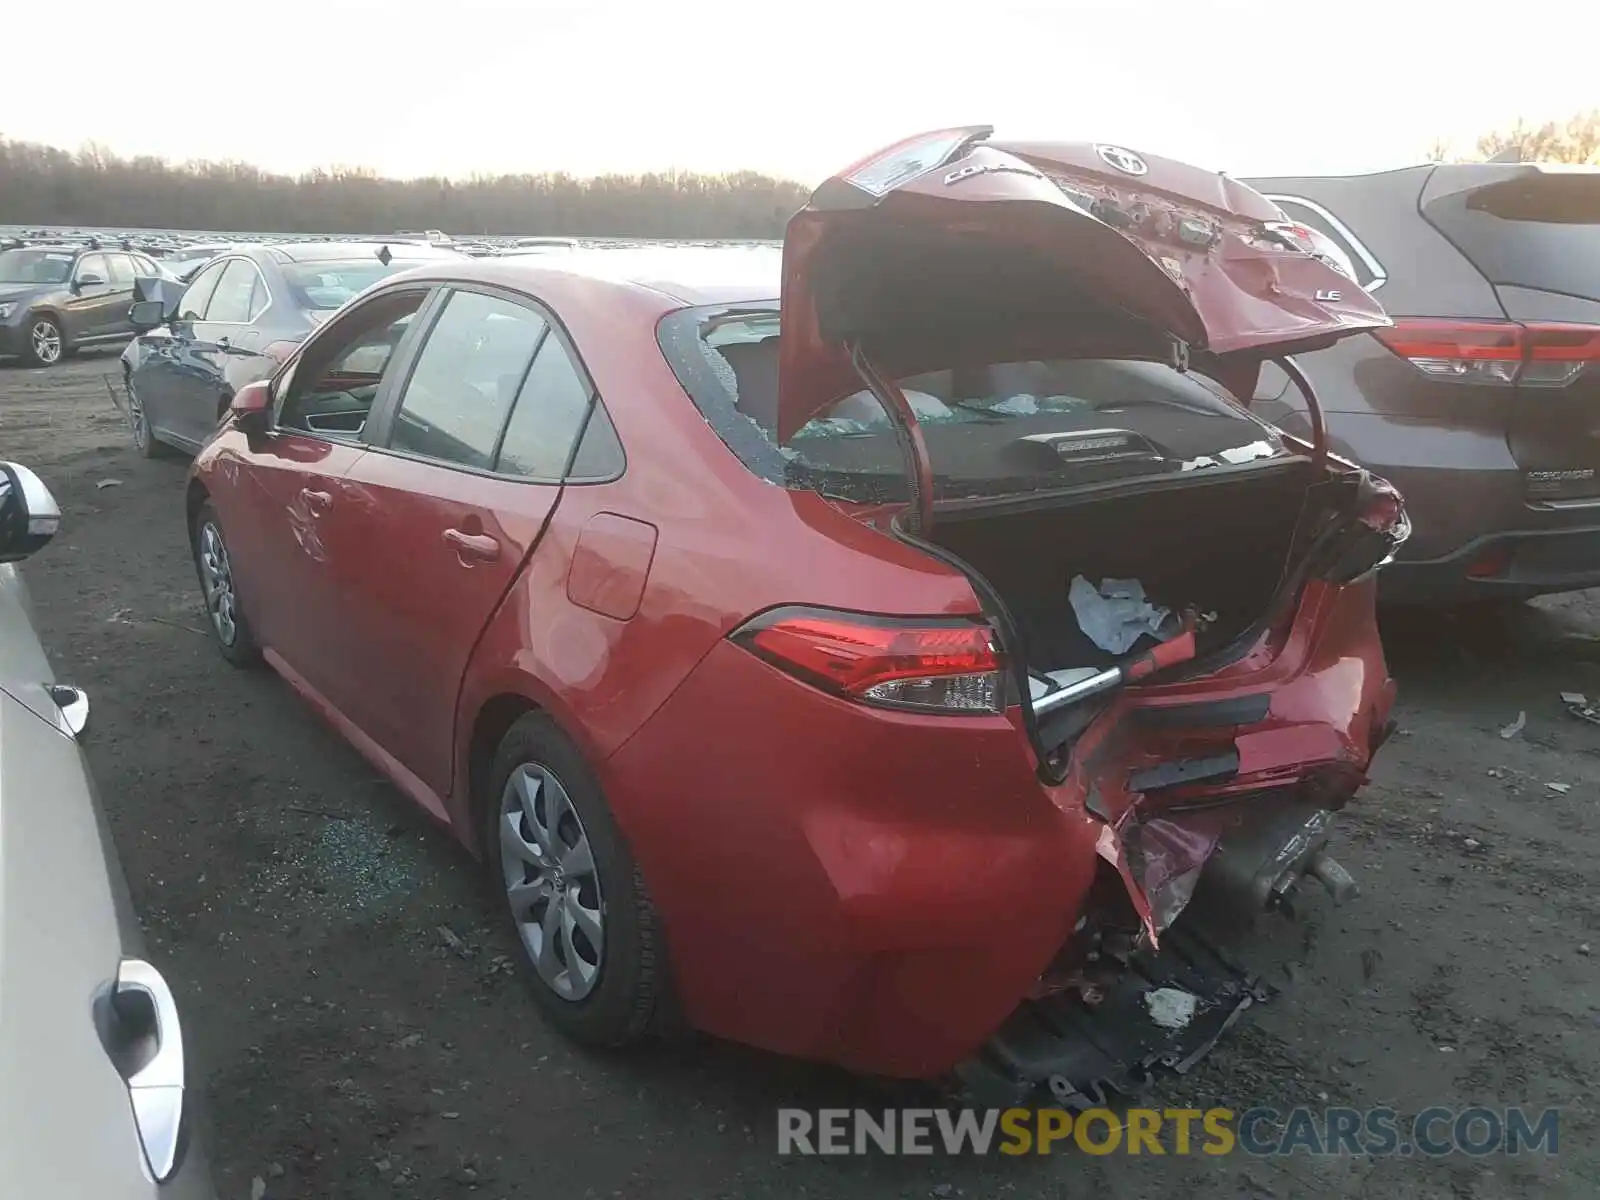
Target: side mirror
[
  {"x": 29, "y": 514},
  {"x": 88, "y": 280},
  {"x": 145, "y": 315},
  {"x": 251, "y": 406}
]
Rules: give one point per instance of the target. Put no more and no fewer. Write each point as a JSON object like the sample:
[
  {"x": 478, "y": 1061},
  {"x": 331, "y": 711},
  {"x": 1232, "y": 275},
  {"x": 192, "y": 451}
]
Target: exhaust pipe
[{"x": 1340, "y": 883}]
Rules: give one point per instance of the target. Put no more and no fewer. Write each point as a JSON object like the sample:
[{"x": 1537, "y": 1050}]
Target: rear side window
[
  {"x": 550, "y": 410},
  {"x": 1534, "y": 231},
  {"x": 121, "y": 270},
  {"x": 231, "y": 301},
  {"x": 467, "y": 376},
  {"x": 198, "y": 294},
  {"x": 996, "y": 429},
  {"x": 1340, "y": 244}
]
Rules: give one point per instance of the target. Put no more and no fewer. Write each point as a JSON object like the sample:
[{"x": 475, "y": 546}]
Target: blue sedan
[{"x": 233, "y": 323}]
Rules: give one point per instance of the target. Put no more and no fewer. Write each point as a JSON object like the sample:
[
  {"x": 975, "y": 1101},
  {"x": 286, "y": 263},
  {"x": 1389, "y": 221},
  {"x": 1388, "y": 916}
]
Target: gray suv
[
  {"x": 58, "y": 298},
  {"x": 94, "y": 1097},
  {"x": 1480, "y": 404}
]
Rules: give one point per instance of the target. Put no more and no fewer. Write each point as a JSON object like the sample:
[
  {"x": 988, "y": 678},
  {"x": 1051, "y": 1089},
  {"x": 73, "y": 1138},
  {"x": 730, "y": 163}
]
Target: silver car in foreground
[{"x": 92, "y": 1084}]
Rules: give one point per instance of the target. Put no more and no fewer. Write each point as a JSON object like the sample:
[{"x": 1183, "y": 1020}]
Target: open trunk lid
[
  {"x": 947, "y": 249},
  {"x": 1533, "y": 231}
]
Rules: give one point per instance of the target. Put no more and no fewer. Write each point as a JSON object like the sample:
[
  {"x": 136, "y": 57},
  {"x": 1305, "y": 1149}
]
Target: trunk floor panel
[{"x": 1085, "y": 1054}]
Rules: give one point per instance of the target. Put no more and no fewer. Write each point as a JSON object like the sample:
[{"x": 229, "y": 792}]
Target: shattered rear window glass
[{"x": 991, "y": 430}]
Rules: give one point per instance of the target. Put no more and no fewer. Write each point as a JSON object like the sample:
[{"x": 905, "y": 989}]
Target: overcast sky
[{"x": 793, "y": 87}]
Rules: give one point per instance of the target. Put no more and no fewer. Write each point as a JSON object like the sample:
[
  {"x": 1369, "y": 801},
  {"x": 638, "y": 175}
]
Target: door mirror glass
[
  {"x": 145, "y": 315},
  {"x": 29, "y": 514}
]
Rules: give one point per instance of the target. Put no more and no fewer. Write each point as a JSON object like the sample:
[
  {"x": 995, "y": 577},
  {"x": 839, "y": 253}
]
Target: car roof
[
  {"x": 690, "y": 275},
  {"x": 296, "y": 252}
]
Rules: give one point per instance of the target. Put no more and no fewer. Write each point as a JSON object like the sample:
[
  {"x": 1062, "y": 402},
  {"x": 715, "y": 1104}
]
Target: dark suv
[
  {"x": 1482, "y": 404},
  {"x": 57, "y": 298}
]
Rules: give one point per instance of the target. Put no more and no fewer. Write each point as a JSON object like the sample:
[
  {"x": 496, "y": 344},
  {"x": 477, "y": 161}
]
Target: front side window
[
  {"x": 468, "y": 374},
  {"x": 330, "y": 389},
  {"x": 121, "y": 271},
  {"x": 991, "y": 429}
]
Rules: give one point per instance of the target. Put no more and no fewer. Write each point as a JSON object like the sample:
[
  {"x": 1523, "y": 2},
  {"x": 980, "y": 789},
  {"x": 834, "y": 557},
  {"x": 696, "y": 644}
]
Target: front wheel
[
  {"x": 591, "y": 943},
  {"x": 45, "y": 346},
  {"x": 229, "y": 627}
]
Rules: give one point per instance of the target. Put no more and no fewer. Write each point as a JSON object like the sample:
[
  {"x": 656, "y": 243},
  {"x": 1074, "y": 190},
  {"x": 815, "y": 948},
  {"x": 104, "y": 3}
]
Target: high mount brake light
[
  {"x": 904, "y": 161},
  {"x": 1530, "y": 353},
  {"x": 916, "y": 664}
]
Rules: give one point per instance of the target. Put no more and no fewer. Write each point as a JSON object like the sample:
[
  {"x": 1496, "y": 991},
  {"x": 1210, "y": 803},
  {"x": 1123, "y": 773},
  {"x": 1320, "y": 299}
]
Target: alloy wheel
[
  {"x": 551, "y": 882},
  {"x": 45, "y": 339},
  {"x": 136, "y": 419},
  {"x": 217, "y": 577}
]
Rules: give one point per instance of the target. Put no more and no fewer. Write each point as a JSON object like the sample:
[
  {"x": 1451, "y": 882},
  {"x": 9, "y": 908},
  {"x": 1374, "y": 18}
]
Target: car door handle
[
  {"x": 316, "y": 501},
  {"x": 479, "y": 546}
]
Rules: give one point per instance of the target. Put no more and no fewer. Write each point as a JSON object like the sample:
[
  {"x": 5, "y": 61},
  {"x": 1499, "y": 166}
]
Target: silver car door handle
[{"x": 157, "y": 1086}]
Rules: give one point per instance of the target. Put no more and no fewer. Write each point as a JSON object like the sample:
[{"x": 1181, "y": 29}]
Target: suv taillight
[
  {"x": 920, "y": 664},
  {"x": 1531, "y": 353}
]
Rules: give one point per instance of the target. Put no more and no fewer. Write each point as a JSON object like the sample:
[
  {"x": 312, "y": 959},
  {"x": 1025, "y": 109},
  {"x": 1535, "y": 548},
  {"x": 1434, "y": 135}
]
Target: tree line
[
  {"x": 1576, "y": 140},
  {"x": 94, "y": 188}
]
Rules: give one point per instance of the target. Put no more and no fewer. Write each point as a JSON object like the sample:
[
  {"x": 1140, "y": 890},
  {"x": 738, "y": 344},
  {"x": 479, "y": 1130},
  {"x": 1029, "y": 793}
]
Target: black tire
[
  {"x": 49, "y": 327},
  {"x": 630, "y": 999},
  {"x": 231, "y": 633},
  {"x": 144, "y": 438}
]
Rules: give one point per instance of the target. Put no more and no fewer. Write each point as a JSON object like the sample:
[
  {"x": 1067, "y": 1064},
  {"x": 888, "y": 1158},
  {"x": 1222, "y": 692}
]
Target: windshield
[
  {"x": 328, "y": 285},
  {"x": 35, "y": 266},
  {"x": 991, "y": 430}
]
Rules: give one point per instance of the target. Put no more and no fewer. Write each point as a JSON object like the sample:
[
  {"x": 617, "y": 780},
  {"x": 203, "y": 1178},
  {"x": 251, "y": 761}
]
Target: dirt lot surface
[{"x": 350, "y": 1049}]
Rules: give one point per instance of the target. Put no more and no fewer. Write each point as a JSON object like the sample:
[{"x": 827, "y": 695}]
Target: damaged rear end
[{"x": 1024, "y": 360}]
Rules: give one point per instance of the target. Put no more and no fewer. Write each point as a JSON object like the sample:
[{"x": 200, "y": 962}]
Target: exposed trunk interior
[{"x": 1219, "y": 545}]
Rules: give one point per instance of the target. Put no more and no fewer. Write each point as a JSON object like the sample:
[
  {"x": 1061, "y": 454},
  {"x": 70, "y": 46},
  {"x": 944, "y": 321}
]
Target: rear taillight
[
  {"x": 921, "y": 664},
  {"x": 1531, "y": 353}
]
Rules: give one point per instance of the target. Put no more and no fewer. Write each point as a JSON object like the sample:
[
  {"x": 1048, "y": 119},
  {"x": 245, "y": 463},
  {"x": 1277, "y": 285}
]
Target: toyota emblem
[{"x": 1122, "y": 160}]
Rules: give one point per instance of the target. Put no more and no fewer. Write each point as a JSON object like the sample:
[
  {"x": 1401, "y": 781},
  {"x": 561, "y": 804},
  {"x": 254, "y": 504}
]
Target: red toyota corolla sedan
[{"x": 880, "y": 692}]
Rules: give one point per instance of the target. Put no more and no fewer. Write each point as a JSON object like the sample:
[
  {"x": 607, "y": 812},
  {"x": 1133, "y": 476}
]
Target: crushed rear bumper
[{"x": 1083, "y": 1053}]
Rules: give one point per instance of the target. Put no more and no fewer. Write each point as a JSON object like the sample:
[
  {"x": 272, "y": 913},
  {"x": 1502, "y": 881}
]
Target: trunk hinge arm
[
  {"x": 1319, "y": 425},
  {"x": 908, "y": 433}
]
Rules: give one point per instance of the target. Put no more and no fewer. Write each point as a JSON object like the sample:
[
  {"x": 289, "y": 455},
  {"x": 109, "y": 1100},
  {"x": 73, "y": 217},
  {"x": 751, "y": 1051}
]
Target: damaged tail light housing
[
  {"x": 1503, "y": 353},
  {"x": 1369, "y": 541},
  {"x": 915, "y": 664}
]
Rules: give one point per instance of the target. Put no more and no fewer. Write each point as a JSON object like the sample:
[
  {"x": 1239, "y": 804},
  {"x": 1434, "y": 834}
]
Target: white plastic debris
[
  {"x": 1116, "y": 614},
  {"x": 1516, "y": 727},
  {"x": 1020, "y": 405},
  {"x": 1171, "y": 1008},
  {"x": 1560, "y": 789}
]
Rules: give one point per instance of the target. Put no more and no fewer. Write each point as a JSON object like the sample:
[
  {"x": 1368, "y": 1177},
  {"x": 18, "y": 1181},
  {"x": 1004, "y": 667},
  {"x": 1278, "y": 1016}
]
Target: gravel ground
[{"x": 351, "y": 1049}]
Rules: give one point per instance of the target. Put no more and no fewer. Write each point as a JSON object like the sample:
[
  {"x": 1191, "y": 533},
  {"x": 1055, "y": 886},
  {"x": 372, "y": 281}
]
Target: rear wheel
[
  {"x": 45, "y": 345},
  {"x": 228, "y": 624},
  {"x": 144, "y": 440},
  {"x": 557, "y": 864}
]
